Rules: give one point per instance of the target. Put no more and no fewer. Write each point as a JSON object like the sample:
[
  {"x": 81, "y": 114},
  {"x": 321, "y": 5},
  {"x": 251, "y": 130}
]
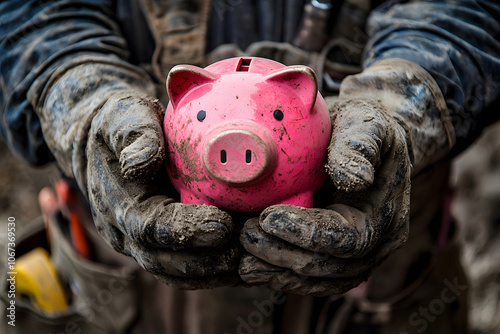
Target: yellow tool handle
[{"x": 37, "y": 278}]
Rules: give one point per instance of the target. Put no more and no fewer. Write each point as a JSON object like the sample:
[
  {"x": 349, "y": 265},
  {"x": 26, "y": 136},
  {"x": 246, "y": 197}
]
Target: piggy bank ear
[
  {"x": 301, "y": 78},
  {"x": 183, "y": 78}
]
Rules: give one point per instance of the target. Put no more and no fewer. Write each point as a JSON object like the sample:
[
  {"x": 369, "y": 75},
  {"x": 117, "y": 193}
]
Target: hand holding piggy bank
[{"x": 246, "y": 133}]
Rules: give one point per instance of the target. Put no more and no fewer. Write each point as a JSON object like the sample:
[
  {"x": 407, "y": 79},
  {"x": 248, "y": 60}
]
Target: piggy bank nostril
[
  {"x": 248, "y": 156},
  {"x": 223, "y": 156}
]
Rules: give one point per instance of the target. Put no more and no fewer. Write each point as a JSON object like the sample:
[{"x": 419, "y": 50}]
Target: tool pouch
[{"x": 102, "y": 297}]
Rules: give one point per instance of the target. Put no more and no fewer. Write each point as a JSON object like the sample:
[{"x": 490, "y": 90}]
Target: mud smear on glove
[{"x": 318, "y": 230}]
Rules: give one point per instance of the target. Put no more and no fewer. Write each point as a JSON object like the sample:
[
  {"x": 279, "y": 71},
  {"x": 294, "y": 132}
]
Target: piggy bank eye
[
  {"x": 201, "y": 115},
  {"x": 278, "y": 115}
]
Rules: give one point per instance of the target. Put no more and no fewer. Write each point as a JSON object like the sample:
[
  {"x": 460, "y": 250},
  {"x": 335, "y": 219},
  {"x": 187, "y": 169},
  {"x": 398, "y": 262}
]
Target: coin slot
[{"x": 244, "y": 65}]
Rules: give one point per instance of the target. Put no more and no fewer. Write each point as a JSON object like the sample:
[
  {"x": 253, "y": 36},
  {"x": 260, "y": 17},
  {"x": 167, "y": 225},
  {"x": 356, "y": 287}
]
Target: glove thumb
[
  {"x": 359, "y": 133},
  {"x": 131, "y": 127}
]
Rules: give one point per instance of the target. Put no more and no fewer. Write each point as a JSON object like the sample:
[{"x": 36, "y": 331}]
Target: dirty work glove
[
  {"x": 389, "y": 122},
  {"x": 105, "y": 129}
]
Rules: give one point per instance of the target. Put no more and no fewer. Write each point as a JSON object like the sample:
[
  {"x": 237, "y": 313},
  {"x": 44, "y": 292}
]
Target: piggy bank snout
[{"x": 239, "y": 156}]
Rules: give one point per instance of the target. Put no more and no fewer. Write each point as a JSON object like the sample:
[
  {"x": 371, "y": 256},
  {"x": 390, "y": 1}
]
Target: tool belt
[{"x": 95, "y": 292}]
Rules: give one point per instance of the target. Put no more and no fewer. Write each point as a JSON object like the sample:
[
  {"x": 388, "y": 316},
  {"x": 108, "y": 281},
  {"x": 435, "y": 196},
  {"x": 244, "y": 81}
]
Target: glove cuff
[
  {"x": 67, "y": 97},
  {"x": 409, "y": 94}
]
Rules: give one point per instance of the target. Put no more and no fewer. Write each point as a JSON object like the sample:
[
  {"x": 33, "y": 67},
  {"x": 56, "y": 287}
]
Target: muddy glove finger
[
  {"x": 257, "y": 272},
  {"x": 192, "y": 269},
  {"x": 340, "y": 230},
  {"x": 186, "y": 263},
  {"x": 280, "y": 253}
]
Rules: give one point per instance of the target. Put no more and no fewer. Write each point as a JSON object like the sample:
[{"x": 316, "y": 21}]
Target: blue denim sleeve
[
  {"x": 36, "y": 36},
  {"x": 457, "y": 42}
]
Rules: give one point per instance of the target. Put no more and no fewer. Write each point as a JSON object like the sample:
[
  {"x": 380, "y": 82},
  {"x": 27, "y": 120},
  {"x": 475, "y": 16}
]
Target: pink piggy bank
[{"x": 246, "y": 133}]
